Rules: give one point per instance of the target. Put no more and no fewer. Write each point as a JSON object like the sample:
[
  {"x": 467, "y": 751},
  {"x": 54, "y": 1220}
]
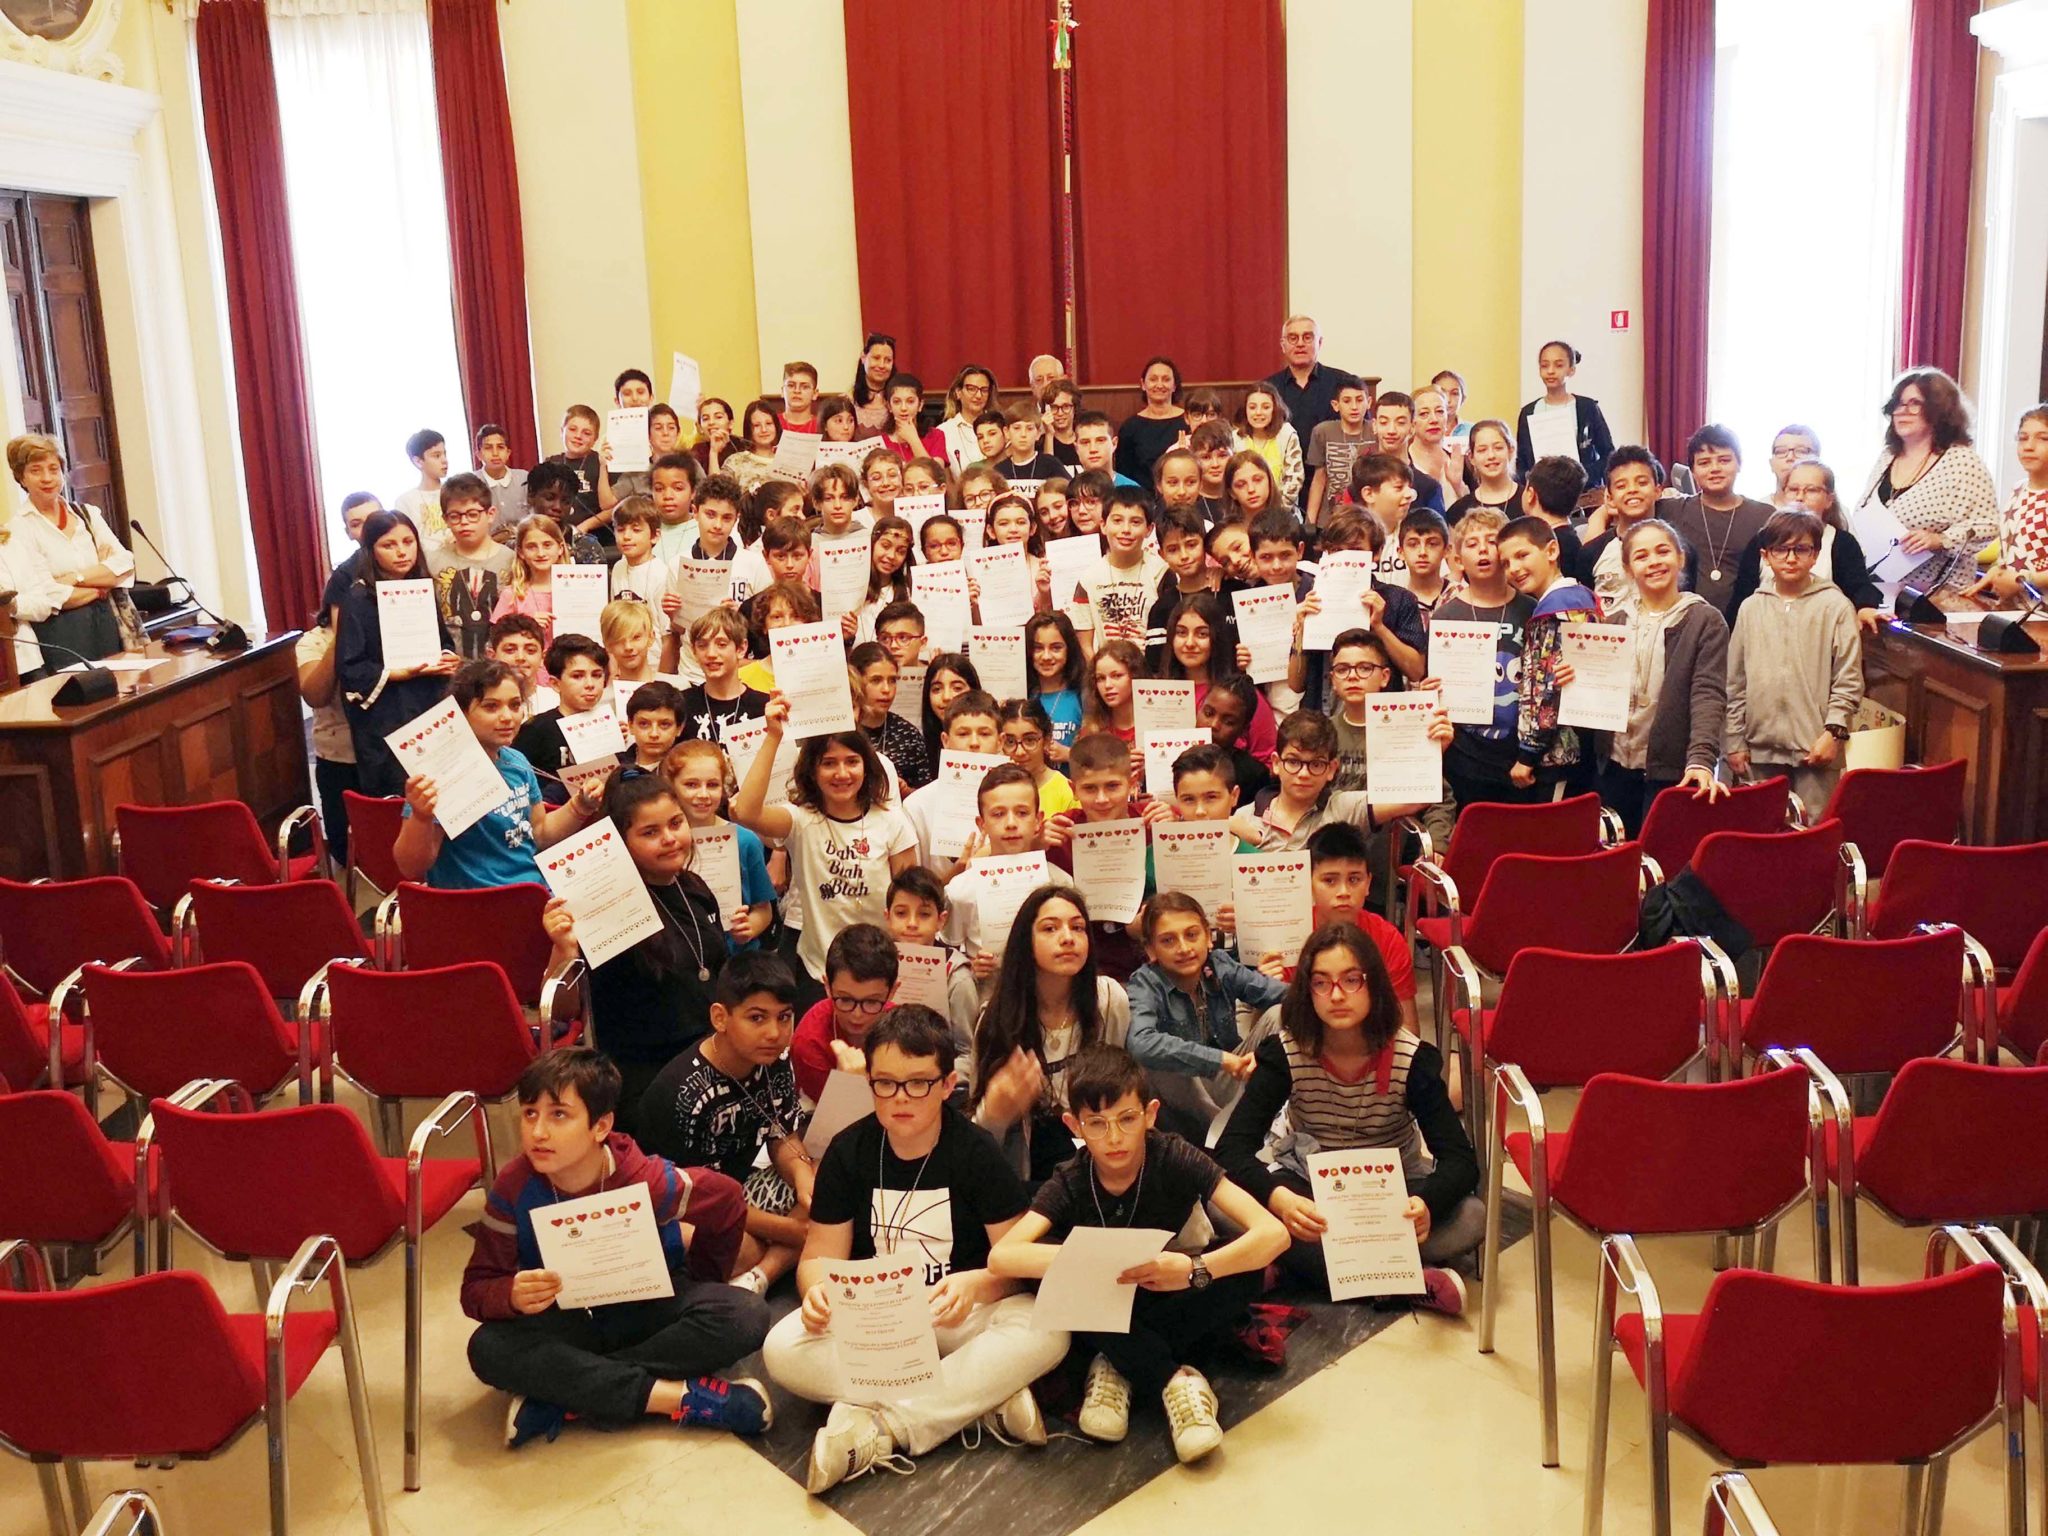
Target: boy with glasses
[
  {"x": 916, "y": 1178},
  {"x": 1795, "y": 669},
  {"x": 1306, "y": 764},
  {"x": 470, "y": 566},
  {"x": 860, "y": 973}
]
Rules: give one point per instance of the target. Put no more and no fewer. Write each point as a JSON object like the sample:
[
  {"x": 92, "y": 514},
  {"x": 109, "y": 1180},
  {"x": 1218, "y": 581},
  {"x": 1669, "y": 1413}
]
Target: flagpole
[{"x": 1063, "y": 74}]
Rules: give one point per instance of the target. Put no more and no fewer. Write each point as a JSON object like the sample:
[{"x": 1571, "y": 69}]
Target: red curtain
[
  {"x": 486, "y": 252},
  {"x": 1678, "y": 217},
  {"x": 1941, "y": 129},
  {"x": 1181, "y": 128},
  {"x": 954, "y": 160},
  {"x": 245, "y": 147}
]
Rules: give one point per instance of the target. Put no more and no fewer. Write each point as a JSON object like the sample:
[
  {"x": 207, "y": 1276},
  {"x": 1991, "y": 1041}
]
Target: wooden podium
[{"x": 195, "y": 727}]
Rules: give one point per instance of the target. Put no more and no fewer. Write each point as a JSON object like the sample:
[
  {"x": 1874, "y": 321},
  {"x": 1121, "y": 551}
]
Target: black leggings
[{"x": 1165, "y": 1327}]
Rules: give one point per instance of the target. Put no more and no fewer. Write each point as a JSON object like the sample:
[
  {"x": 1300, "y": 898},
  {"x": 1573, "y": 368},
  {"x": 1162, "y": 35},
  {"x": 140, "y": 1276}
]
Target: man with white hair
[
  {"x": 1044, "y": 369},
  {"x": 1306, "y": 384}
]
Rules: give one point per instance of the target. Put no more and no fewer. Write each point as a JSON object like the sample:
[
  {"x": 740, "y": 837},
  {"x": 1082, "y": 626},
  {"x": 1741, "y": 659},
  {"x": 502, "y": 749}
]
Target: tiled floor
[{"x": 1410, "y": 1431}]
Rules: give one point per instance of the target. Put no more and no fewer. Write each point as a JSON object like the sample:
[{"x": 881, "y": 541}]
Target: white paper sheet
[
  {"x": 794, "y": 455},
  {"x": 915, "y": 509},
  {"x": 1109, "y": 867},
  {"x": 1001, "y": 882},
  {"x": 439, "y": 745},
  {"x": 1343, "y": 577},
  {"x": 1003, "y": 572},
  {"x": 843, "y": 563},
  {"x": 1554, "y": 430},
  {"x": 953, "y": 795},
  {"x": 580, "y": 593},
  {"x": 408, "y": 624},
  {"x": 1602, "y": 658},
  {"x": 702, "y": 585},
  {"x": 998, "y": 657},
  {"x": 592, "y": 871},
  {"x": 844, "y": 1099},
  {"x": 685, "y": 385},
  {"x": 973, "y": 526},
  {"x": 1265, "y": 626},
  {"x": 715, "y": 859},
  {"x": 743, "y": 740},
  {"x": 1070, "y": 559},
  {"x": 626, "y": 431},
  {"x": 1081, "y": 1293},
  {"x": 596, "y": 771},
  {"x": 810, "y": 671},
  {"x": 921, "y": 978},
  {"x": 1370, "y": 1247},
  {"x": 908, "y": 705},
  {"x": 1275, "y": 907},
  {"x": 882, "y": 1329},
  {"x": 1402, "y": 765},
  {"x": 1465, "y": 657},
  {"x": 1194, "y": 857},
  {"x": 851, "y": 454},
  {"x": 1162, "y": 705},
  {"x": 604, "y": 1247},
  {"x": 940, "y": 592},
  {"x": 1878, "y": 532},
  {"x": 1161, "y": 748},
  {"x": 592, "y": 734}
]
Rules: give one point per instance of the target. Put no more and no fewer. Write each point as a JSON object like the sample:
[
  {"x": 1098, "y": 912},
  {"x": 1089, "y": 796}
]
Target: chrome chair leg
[
  {"x": 56, "y": 1508},
  {"x": 1603, "y": 1397}
]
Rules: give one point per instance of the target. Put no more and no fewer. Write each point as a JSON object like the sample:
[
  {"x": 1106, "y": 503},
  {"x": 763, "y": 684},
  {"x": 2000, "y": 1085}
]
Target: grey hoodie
[{"x": 1795, "y": 667}]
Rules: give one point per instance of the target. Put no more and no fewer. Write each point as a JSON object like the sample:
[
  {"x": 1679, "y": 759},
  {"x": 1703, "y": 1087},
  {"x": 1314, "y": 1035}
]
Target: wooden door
[{"x": 17, "y": 261}]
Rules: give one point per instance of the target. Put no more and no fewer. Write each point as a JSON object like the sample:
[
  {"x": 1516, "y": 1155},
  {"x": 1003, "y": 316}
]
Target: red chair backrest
[
  {"x": 373, "y": 823},
  {"x": 499, "y": 923},
  {"x": 158, "y": 1030},
  {"x": 1584, "y": 904},
  {"x": 48, "y": 931},
  {"x": 1646, "y": 1156},
  {"x": 1791, "y": 1371},
  {"x": 164, "y": 848},
  {"x": 1879, "y": 808},
  {"x": 2023, "y": 1007},
  {"x": 259, "y": 1185},
  {"x": 143, "y": 1367},
  {"x": 1486, "y": 832},
  {"x": 1563, "y": 1017},
  {"x": 1677, "y": 822},
  {"x": 286, "y": 931},
  {"x": 24, "y": 1056},
  {"x": 1999, "y": 896},
  {"x": 1954, "y": 1141},
  {"x": 61, "y": 1180},
  {"x": 425, "y": 1034},
  {"x": 1775, "y": 883},
  {"x": 1861, "y": 1005}
]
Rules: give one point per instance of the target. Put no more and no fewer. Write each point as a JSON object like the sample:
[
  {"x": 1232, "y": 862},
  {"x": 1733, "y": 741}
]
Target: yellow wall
[
  {"x": 1467, "y": 227},
  {"x": 693, "y": 179}
]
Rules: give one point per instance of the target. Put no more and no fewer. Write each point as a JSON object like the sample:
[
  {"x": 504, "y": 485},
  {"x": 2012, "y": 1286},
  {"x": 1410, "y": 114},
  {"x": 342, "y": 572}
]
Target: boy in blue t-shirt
[{"x": 500, "y": 848}]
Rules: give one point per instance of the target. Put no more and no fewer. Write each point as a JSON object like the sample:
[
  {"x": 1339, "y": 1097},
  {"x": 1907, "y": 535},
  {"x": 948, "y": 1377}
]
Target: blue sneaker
[
  {"x": 528, "y": 1418},
  {"x": 712, "y": 1402}
]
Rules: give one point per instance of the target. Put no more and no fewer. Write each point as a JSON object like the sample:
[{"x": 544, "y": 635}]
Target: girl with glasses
[{"x": 1026, "y": 739}]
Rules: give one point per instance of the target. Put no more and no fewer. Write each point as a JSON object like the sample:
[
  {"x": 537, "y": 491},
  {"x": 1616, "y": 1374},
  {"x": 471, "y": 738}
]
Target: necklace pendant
[
  {"x": 1714, "y": 574},
  {"x": 703, "y": 973}
]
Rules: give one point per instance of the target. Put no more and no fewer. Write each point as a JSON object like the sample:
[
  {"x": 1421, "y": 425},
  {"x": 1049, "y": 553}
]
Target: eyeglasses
[
  {"x": 1358, "y": 668},
  {"x": 465, "y": 515},
  {"x": 910, "y": 1087},
  {"x": 1327, "y": 986},
  {"x": 1908, "y": 408},
  {"x": 1304, "y": 764},
  {"x": 1123, "y": 1124},
  {"x": 1806, "y": 550},
  {"x": 868, "y": 1007},
  {"x": 1029, "y": 743}
]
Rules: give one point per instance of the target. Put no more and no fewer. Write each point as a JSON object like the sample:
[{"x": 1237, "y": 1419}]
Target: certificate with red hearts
[
  {"x": 882, "y": 1328},
  {"x": 1370, "y": 1246},
  {"x": 605, "y": 1247}
]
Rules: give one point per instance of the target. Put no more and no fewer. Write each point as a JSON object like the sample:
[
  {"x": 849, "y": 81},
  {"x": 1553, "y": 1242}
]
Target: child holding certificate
[
  {"x": 1349, "y": 1076},
  {"x": 917, "y": 915},
  {"x": 618, "y": 1364},
  {"x": 915, "y": 1179},
  {"x": 537, "y": 548},
  {"x": 1057, "y": 678},
  {"x": 1130, "y": 1173},
  {"x": 1099, "y": 768},
  {"x": 581, "y": 672},
  {"x": 1306, "y": 766},
  {"x": 718, "y": 641},
  {"x": 377, "y": 698},
  {"x": 1007, "y": 821},
  {"x": 973, "y": 724},
  {"x": 1026, "y": 738},
  {"x": 1546, "y": 752},
  {"x": 1184, "y": 1013},
  {"x": 732, "y": 1096},
  {"x": 888, "y": 574},
  {"x": 700, "y": 773},
  {"x": 860, "y": 973}
]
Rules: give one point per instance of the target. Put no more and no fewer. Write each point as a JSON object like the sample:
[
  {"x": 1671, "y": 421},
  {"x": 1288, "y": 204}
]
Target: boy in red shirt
[{"x": 860, "y": 973}]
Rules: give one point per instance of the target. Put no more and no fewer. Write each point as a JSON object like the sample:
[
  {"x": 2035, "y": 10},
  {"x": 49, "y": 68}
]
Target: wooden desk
[
  {"x": 1990, "y": 710},
  {"x": 198, "y": 727}
]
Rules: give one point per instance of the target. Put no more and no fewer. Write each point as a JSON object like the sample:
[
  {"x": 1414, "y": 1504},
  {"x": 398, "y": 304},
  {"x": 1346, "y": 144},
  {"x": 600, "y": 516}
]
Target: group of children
[{"x": 938, "y": 838}]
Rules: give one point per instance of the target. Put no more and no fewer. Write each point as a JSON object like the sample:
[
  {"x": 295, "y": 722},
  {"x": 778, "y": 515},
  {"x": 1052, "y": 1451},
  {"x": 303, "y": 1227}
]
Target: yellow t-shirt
[{"x": 1055, "y": 794}]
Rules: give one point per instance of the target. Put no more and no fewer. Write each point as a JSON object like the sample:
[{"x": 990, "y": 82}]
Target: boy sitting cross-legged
[{"x": 619, "y": 1363}]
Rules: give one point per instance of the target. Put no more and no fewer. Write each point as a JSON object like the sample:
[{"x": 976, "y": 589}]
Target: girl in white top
[{"x": 2023, "y": 525}]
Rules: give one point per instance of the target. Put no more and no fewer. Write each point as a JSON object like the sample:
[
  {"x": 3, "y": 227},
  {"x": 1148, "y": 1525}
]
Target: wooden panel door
[
  {"x": 17, "y": 259},
  {"x": 82, "y": 410}
]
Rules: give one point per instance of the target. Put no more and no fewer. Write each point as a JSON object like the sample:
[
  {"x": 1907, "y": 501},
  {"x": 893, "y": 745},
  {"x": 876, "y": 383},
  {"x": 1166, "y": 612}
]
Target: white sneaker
[
  {"x": 753, "y": 1282},
  {"x": 1106, "y": 1404},
  {"x": 854, "y": 1441},
  {"x": 1191, "y": 1414},
  {"x": 1016, "y": 1420}
]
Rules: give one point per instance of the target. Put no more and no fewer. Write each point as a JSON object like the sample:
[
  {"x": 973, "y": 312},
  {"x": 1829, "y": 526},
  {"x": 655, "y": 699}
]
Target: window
[
  {"x": 1809, "y": 195},
  {"x": 362, "y": 148}
]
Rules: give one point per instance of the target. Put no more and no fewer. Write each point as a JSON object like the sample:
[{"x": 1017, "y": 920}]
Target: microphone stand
[{"x": 228, "y": 636}]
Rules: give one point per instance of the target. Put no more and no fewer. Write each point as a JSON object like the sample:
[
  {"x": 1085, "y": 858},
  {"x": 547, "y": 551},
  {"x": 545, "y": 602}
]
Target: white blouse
[
  {"x": 1953, "y": 499},
  {"x": 62, "y": 553}
]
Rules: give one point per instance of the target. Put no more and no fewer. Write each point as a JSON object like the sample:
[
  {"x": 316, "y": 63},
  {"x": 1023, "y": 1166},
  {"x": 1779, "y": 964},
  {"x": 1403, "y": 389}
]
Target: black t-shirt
[
  {"x": 1510, "y": 509},
  {"x": 587, "y": 469},
  {"x": 541, "y": 742},
  {"x": 1068, "y": 455},
  {"x": 1176, "y": 1177},
  {"x": 339, "y": 580},
  {"x": 938, "y": 1207},
  {"x": 646, "y": 1017},
  {"x": 1142, "y": 439},
  {"x": 1041, "y": 466},
  {"x": 1489, "y": 750},
  {"x": 703, "y": 715}
]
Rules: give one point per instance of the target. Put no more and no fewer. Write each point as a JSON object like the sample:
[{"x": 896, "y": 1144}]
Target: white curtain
[
  {"x": 1809, "y": 192},
  {"x": 355, "y": 88}
]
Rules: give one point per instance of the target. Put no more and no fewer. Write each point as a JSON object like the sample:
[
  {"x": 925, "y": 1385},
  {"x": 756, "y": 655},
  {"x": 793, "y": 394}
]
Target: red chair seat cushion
[
  {"x": 1434, "y": 931},
  {"x": 300, "y": 866},
  {"x": 306, "y": 1337},
  {"x": 1861, "y": 1129},
  {"x": 443, "y": 1183},
  {"x": 1680, "y": 1329}
]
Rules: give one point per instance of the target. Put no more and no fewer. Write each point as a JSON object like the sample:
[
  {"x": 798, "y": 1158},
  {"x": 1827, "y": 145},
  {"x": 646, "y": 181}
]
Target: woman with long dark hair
[
  {"x": 379, "y": 699},
  {"x": 871, "y": 375}
]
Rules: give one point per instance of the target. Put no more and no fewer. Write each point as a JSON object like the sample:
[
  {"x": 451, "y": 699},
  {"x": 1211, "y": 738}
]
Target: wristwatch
[
  {"x": 1839, "y": 732},
  {"x": 1198, "y": 1274}
]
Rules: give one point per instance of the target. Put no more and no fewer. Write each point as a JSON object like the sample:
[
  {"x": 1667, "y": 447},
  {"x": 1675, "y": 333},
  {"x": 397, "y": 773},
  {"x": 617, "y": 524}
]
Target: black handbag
[
  {"x": 92, "y": 631},
  {"x": 1683, "y": 907}
]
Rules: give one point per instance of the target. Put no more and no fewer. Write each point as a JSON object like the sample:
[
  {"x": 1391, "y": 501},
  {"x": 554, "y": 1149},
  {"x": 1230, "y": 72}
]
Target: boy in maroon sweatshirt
[{"x": 618, "y": 1363}]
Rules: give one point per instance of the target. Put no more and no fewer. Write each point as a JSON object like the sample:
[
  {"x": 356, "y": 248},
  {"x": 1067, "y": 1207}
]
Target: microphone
[
  {"x": 87, "y": 687},
  {"x": 229, "y": 636},
  {"x": 2009, "y": 636}
]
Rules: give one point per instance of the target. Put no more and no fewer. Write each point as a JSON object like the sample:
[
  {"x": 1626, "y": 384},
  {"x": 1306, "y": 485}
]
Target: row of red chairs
[{"x": 165, "y": 849}]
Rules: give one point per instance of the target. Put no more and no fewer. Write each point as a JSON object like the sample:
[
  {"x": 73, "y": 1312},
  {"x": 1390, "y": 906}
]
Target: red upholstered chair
[
  {"x": 1485, "y": 832},
  {"x": 254, "y": 1187},
  {"x": 154, "y": 1031},
  {"x": 288, "y": 932},
  {"x": 25, "y": 1042},
  {"x": 50, "y": 928},
  {"x": 1731, "y": 1159},
  {"x": 154, "y": 1368},
  {"x": 420, "y": 928},
  {"x": 373, "y": 822},
  {"x": 62, "y": 1182},
  {"x": 1774, "y": 1371},
  {"x": 2023, "y": 1006},
  {"x": 1879, "y": 808},
  {"x": 164, "y": 848},
  {"x": 1775, "y": 883},
  {"x": 1677, "y": 822},
  {"x": 1999, "y": 896},
  {"x": 2029, "y": 1293}
]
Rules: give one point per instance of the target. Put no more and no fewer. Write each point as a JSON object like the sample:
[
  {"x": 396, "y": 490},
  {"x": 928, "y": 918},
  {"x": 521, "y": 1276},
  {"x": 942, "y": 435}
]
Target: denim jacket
[{"x": 1172, "y": 1032}]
